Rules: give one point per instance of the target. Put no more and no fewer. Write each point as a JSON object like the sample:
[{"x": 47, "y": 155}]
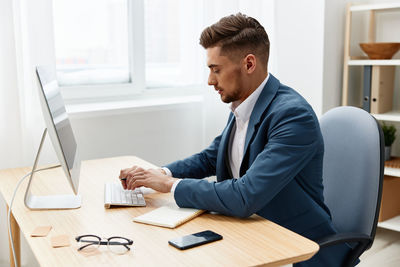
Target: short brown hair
[{"x": 237, "y": 35}]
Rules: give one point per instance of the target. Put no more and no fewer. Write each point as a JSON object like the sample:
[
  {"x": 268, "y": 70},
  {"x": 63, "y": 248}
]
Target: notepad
[
  {"x": 41, "y": 231},
  {"x": 169, "y": 216}
]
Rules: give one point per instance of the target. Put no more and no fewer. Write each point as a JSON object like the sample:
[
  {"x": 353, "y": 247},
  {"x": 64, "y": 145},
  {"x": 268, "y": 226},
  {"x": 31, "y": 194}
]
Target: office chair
[{"x": 352, "y": 177}]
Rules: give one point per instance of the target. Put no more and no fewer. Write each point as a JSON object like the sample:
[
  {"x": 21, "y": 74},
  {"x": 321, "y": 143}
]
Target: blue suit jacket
[{"x": 281, "y": 172}]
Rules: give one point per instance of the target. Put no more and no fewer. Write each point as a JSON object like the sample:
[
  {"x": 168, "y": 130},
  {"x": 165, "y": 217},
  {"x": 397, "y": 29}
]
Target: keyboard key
[{"x": 114, "y": 194}]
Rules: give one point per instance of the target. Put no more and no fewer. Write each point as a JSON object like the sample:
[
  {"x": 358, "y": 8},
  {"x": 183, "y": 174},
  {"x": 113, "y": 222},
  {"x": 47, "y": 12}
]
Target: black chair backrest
[{"x": 352, "y": 169}]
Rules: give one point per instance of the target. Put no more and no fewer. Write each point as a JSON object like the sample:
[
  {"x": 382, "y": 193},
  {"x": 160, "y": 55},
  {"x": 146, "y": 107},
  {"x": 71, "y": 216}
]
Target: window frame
[
  {"x": 137, "y": 89},
  {"x": 136, "y": 54}
]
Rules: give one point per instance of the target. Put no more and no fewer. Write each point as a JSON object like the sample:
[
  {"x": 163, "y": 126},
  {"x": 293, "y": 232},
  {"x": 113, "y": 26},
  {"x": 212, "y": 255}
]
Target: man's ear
[{"x": 250, "y": 63}]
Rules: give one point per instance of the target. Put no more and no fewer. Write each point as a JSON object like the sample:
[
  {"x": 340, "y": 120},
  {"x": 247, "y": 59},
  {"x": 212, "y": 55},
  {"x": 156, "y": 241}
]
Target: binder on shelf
[
  {"x": 169, "y": 216},
  {"x": 382, "y": 83},
  {"x": 367, "y": 88}
]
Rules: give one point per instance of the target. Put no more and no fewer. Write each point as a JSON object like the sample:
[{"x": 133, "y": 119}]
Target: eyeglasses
[{"x": 116, "y": 244}]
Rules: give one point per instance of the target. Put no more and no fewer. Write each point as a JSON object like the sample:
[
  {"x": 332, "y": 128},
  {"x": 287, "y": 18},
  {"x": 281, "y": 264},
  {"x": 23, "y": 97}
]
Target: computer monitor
[{"x": 63, "y": 140}]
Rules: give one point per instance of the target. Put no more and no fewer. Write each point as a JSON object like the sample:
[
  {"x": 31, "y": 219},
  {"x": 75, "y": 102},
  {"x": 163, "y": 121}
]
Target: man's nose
[{"x": 211, "y": 80}]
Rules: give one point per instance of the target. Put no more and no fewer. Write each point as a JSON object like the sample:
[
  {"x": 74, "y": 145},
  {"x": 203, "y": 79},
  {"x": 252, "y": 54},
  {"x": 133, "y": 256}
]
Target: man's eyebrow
[{"x": 213, "y": 66}]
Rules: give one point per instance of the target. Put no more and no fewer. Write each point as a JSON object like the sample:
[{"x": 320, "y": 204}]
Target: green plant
[{"x": 389, "y": 131}]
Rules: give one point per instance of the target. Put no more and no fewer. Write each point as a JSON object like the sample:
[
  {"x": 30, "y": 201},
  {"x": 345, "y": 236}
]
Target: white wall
[
  {"x": 299, "y": 31},
  {"x": 333, "y": 53},
  {"x": 159, "y": 136}
]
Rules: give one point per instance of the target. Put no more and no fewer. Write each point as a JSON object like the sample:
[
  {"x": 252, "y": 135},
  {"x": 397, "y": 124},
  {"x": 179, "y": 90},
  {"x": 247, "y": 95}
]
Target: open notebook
[{"x": 169, "y": 216}]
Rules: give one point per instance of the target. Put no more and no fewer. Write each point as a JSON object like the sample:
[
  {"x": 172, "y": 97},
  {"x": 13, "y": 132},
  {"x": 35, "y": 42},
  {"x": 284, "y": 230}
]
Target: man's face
[{"x": 225, "y": 75}]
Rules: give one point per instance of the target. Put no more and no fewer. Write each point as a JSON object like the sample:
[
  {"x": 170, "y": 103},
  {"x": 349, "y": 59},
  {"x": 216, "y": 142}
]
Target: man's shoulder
[
  {"x": 282, "y": 96},
  {"x": 289, "y": 100},
  {"x": 289, "y": 105}
]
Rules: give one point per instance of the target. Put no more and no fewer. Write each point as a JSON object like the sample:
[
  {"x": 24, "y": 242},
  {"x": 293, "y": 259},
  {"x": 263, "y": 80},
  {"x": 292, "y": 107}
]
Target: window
[
  {"x": 113, "y": 47},
  {"x": 91, "y": 40}
]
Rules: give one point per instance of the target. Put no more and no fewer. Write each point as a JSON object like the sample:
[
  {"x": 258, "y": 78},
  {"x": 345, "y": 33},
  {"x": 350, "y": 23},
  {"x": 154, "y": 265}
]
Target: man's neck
[{"x": 254, "y": 83}]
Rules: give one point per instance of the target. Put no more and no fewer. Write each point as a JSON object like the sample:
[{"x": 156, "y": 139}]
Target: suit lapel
[
  {"x": 265, "y": 98},
  {"x": 222, "y": 160}
]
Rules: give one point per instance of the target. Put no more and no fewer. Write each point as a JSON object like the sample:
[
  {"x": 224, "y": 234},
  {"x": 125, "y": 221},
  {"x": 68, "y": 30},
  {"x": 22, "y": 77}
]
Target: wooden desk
[{"x": 246, "y": 242}]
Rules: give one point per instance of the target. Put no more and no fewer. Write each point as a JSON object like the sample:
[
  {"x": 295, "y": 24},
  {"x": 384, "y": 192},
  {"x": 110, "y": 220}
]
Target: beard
[{"x": 229, "y": 97}]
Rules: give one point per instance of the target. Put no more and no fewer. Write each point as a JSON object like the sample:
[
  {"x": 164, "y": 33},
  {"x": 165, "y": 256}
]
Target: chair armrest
[{"x": 343, "y": 238}]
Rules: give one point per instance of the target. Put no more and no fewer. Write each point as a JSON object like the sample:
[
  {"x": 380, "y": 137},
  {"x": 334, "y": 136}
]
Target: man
[{"x": 268, "y": 159}]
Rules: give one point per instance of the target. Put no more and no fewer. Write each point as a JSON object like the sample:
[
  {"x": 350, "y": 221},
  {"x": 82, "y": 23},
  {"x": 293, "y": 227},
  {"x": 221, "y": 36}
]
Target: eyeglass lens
[
  {"x": 118, "y": 245},
  {"x": 88, "y": 243}
]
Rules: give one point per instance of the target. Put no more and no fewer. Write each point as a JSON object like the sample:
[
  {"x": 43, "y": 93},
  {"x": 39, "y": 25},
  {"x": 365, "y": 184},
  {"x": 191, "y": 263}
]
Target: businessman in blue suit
[{"x": 268, "y": 159}]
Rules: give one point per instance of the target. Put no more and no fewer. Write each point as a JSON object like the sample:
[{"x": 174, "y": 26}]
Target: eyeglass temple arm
[
  {"x": 121, "y": 244},
  {"x": 90, "y": 243}
]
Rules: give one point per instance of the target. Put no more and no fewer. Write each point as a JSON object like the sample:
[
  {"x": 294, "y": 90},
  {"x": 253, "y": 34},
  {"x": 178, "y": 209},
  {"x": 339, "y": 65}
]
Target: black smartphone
[{"x": 193, "y": 240}]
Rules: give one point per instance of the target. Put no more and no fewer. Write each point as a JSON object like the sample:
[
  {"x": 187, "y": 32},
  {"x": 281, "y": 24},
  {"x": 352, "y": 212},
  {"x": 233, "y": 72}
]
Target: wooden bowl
[{"x": 380, "y": 50}]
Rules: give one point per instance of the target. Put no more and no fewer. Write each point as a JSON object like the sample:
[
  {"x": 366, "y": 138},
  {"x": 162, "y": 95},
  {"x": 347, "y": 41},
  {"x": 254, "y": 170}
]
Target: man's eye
[{"x": 215, "y": 71}]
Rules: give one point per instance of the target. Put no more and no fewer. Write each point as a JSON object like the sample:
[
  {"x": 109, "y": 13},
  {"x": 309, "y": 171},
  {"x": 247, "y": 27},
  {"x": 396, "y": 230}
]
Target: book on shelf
[
  {"x": 378, "y": 83},
  {"x": 367, "y": 88},
  {"x": 382, "y": 83}
]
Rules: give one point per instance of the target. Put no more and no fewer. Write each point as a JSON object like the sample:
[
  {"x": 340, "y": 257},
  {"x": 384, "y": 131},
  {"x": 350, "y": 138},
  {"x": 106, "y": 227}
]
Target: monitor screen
[{"x": 57, "y": 123}]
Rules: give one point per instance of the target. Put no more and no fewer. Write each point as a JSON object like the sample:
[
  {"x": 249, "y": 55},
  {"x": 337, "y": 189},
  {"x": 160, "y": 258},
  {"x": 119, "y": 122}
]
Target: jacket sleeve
[{"x": 293, "y": 139}]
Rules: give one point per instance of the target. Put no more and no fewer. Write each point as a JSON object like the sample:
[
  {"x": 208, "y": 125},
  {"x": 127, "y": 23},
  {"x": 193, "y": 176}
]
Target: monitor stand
[{"x": 52, "y": 201}]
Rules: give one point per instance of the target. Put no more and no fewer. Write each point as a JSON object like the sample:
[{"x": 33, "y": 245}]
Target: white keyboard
[{"x": 115, "y": 195}]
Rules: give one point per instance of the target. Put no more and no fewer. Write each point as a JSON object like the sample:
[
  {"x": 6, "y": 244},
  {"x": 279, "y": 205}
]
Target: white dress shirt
[{"x": 242, "y": 112}]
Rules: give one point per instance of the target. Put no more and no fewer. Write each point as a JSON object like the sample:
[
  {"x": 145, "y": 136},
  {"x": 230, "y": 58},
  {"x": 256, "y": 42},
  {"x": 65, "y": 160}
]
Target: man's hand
[
  {"x": 152, "y": 178},
  {"x": 124, "y": 173}
]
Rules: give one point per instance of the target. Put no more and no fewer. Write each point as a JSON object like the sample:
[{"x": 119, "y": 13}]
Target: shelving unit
[
  {"x": 393, "y": 116},
  {"x": 350, "y": 61},
  {"x": 391, "y": 224},
  {"x": 374, "y": 62},
  {"x": 392, "y": 172}
]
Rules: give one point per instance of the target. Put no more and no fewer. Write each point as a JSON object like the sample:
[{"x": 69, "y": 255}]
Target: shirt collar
[{"x": 242, "y": 111}]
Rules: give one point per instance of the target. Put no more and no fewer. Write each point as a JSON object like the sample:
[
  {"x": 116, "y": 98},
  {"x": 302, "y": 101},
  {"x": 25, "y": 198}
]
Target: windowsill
[{"x": 150, "y": 100}]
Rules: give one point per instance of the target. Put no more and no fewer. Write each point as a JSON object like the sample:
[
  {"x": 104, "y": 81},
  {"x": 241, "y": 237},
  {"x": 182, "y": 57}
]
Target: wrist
[{"x": 169, "y": 183}]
